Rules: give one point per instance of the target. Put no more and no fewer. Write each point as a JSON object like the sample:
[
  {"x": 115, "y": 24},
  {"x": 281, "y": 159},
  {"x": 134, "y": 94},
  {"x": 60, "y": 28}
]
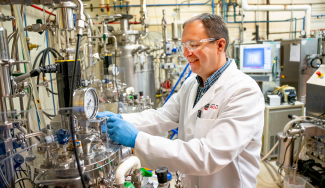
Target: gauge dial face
[
  {"x": 90, "y": 103},
  {"x": 302, "y": 32}
]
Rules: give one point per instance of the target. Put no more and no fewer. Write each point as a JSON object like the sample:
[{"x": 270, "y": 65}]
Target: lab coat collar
[{"x": 208, "y": 96}]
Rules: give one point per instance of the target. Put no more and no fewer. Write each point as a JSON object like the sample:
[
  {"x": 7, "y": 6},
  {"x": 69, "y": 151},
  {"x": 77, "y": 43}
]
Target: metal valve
[{"x": 4, "y": 18}]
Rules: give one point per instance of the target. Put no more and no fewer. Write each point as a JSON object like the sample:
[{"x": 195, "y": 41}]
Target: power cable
[{"x": 71, "y": 111}]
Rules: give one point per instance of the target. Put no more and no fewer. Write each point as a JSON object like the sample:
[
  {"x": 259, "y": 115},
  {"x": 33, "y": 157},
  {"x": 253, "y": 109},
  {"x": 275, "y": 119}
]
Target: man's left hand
[{"x": 122, "y": 131}]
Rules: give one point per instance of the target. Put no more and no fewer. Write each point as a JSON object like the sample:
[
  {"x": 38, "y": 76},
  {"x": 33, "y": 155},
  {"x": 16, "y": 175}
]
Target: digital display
[{"x": 257, "y": 58}]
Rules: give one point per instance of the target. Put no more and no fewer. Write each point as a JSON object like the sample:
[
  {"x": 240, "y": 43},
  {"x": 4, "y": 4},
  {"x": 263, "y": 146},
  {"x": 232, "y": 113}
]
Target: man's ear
[{"x": 221, "y": 45}]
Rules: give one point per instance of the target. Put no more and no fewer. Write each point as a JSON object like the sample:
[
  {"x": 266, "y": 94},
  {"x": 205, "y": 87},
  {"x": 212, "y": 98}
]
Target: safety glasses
[{"x": 192, "y": 45}]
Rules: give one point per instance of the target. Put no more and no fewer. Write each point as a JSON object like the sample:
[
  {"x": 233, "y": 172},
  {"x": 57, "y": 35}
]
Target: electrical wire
[
  {"x": 18, "y": 178},
  {"x": 71, "y": 112},
  {"x": 21, "y": 177},
  {"x": 23, "y": 170}
]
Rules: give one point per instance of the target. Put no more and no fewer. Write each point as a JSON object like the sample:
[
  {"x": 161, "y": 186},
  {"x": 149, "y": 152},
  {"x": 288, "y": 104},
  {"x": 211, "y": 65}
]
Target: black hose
[
  {"x": 51, "y": 92},
  {"x": 44, "y": 53},
  {"x": 71, "y": 111},
  {"x": 48, "y": 114},
  {"x": 53, "y": 51}
]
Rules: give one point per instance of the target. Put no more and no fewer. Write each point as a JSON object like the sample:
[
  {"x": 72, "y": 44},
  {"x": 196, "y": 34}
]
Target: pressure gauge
[
  {"x": 302, "y": 32},
  {"x": 85, "y": 103}
]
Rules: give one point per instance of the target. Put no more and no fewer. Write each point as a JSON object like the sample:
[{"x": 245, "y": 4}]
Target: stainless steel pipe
[
  {"x": 4, "y": 49},
  {"x": 124, "y": 24},
  {"x": 5, "y": 86},
  {"x": 86, "y": 144},
  {"x": 285, "y": 151}
]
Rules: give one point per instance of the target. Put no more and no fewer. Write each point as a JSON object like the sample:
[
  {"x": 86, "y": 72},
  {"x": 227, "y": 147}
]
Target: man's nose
[{"x": 187, "y": 52}]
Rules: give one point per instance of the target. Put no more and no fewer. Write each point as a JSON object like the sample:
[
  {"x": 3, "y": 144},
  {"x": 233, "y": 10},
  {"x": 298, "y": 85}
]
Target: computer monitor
[{"x": 256, "y": 58}]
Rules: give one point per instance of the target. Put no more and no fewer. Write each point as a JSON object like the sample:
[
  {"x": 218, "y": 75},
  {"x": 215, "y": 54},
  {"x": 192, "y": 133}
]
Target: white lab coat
[{"x": 220, "y": 149}]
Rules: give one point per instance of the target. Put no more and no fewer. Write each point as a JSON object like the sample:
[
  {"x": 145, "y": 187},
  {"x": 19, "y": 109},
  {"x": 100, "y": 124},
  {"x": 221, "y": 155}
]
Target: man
[{"x": 219, "y": 112}]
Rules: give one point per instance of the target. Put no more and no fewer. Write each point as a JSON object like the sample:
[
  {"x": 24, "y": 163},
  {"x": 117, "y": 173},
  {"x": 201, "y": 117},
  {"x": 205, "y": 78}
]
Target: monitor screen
[{"x": 256, "y": 58}]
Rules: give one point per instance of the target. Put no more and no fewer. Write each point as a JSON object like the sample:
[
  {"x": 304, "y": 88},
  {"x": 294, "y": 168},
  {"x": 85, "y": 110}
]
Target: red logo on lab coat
[{"x": 213, "y": 106}]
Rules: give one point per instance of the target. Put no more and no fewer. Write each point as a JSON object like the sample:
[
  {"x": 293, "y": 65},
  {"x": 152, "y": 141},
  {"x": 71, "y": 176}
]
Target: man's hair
[{"x": 214, "y": 25}]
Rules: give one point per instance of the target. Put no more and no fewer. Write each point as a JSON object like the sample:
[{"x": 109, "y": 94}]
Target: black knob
[
  {"x": 290, "y": 116},
  {"x": 141, "y": 93},
  {"x": 135, "y": 96},
  {"x": 161, "y": 173}
]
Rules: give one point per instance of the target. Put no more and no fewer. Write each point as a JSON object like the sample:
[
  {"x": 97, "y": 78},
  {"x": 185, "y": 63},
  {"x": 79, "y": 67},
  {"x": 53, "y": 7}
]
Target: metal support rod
[
  {"x": 20, "y": 28},
  {"x": 3, "y": 110},
  {"x": 164, "y": 28},
  {"x": 89, "y": 37},
  {"x": 12, "y": 108},
  {"x": 16, "y": 37},
  {"x": 10, "y": 171}
]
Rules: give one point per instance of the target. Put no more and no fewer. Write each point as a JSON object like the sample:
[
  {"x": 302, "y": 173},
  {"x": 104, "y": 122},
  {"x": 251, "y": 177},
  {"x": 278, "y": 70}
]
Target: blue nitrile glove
[
  {"x": 122, "y": 131},
  {"x": 108, "y": 114}
]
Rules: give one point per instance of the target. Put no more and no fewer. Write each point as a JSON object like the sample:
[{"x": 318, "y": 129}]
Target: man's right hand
[{"x": 108, "y": 114}]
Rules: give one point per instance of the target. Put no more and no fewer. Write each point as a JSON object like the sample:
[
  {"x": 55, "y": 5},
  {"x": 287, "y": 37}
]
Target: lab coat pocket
[{"x": 202, "y": 127}]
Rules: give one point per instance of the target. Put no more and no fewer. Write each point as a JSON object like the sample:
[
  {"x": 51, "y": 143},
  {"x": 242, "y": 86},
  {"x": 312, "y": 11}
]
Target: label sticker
[{"x": 303, "y": 42}]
